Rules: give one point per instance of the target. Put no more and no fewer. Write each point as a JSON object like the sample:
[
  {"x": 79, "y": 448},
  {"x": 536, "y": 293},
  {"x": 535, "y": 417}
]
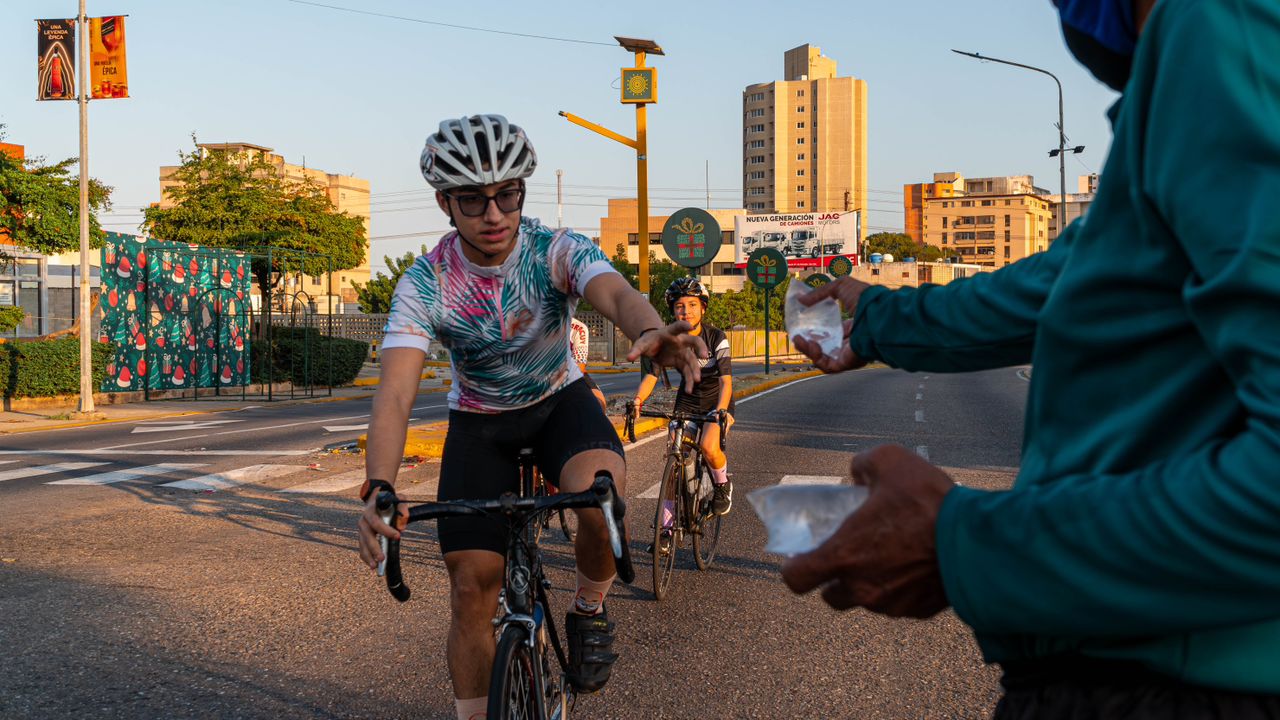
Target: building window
[
  {"x": 966, "y": 236},
  {"x": 1006, "y": 236},
  {"x": 986, "y": 219},
  {"x": 799, "y": 126},
  {"x": 800, "y": 109},
  {"x": 757, "y": 159},
  {"x": 799, "y": 188},
  {"x": 966, "y": 203},
  {"x": 1006, "y": 251},
  {"x": 799, "y": 93},
  {"x": 800, "y": 173},
  {"x": 944, "y": 238},
  {"x": 1006, "y": 202},
  {"x": 799, "y": 203},
  {"x": 988, "y": 203},
  {"x": 1006, "y": 221},
  {"x": 758, "y": 112},
  {"x": 757, "y": 144},
  {"x": 800, "y": 156},
  {"x": 799, "y": 141},
  {"x": 944, "y": 222}
]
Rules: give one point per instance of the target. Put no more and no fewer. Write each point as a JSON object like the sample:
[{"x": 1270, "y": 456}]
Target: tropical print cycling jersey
[{"x": 505, "y": 327}]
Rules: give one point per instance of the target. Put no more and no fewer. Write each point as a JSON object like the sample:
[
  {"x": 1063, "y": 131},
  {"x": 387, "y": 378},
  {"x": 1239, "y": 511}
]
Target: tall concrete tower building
[{"x": 804, "y": 139}]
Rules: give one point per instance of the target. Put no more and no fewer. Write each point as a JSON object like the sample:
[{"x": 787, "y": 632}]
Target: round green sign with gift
[
  {"x": 691, "y": 237},
  {"x": 840, "y": 266},
  {"x": 766, "y": 268},
  {"x": 817, "y": 280}
]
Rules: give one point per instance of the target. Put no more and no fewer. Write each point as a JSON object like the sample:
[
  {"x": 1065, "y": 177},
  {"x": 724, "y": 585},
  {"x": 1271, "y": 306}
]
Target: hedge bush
[
  {"x": 302, "y": 355},
  {"x": 44, "y": 368}
]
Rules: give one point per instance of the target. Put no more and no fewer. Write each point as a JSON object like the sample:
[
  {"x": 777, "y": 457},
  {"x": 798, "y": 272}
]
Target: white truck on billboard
[{"x": 807, "y": 237}]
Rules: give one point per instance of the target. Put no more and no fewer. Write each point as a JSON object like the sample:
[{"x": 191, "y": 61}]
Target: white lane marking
[
  {"x": 109, "y": 451},
  {"x": 920, "y": 386},
  {"x": 179, "y": 425},
  {"x": 919, "y": 396},
  {"x": 262, "y": 428},
  {"x": 922, "y": 451},
  {"x": 926, "y": 377},
  {"x": 333, "y": 483},
  {"x": 811, "y": 480},
  {"x": 651, "y": 493},
  {"x": 1025, "y": 374},
  {"x": 231, "y": 478},
  {"x": 919, "y": 416},
  {"x": 780, "y": 387},
  {"x": 345, "y": 428},
  {"x": 27, "y": 472},
  {"x": 116, "y": 476}
]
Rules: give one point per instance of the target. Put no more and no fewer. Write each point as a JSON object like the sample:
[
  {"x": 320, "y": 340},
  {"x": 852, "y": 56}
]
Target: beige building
[
  {"x": 348, "y": 194},
  {"x": 619, "y": 228},
  {"x": 913, "y": 274},
  {"x": 1078, "y": 202},
  {"x": 804, "y": 139}
]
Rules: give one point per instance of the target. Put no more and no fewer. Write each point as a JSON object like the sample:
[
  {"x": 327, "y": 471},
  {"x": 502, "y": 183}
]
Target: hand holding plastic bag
[
  {"x": 819, "y": 323},
  {"x": 799, "y": 518}
]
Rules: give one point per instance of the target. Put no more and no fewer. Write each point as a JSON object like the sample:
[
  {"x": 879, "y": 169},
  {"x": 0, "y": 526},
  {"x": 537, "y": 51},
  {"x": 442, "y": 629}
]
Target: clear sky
[{"x": 357, "y": 94}]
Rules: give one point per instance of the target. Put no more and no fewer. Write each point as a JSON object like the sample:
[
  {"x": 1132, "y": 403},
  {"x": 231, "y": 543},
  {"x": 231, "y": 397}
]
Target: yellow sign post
[{"x": 639, "y": 88}]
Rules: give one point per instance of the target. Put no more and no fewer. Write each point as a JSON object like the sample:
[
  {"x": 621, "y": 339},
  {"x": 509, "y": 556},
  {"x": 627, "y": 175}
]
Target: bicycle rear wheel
[
  {"x": 705, "y": 538},
  {"x": 664, "y": 562},
  {"x": 514, "y": 688}
]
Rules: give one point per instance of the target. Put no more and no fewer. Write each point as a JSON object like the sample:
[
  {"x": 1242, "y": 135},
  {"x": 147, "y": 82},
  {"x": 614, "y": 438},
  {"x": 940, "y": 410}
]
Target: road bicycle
[
  {"x": 684, "y": 495},
  {"x": 529, "y": 680}
]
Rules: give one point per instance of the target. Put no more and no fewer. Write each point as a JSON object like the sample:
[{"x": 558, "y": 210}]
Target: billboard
[
  {"x": 56, "y": 65},
  {"x": 807, "y": 240},
  {"x": 109, "y": 75}
]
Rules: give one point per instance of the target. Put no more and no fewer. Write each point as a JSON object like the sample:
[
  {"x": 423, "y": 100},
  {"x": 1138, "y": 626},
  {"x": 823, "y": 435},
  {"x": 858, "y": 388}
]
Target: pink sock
[
  {"x": 720, "y": 476},
  {"x": 590, "y": 597},
  {"x": 472, "y": 708}
]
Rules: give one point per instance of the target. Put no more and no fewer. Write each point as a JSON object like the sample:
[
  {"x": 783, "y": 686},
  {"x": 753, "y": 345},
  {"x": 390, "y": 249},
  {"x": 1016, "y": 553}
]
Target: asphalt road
[{"x": 237, "y": 594}]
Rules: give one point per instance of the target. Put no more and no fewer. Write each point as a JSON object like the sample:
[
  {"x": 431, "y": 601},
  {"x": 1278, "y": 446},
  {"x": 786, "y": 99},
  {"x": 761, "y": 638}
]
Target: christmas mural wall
[{"x": 179, "y": 315}]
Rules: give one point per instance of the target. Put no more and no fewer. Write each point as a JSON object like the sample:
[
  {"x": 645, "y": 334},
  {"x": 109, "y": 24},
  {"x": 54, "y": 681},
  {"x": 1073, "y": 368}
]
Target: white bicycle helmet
[{"x": 477, "y": 150}]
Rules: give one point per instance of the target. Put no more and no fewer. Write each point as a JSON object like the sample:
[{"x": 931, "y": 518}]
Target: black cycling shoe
[
  {"x": 723, "y": 498},
  {"x": 590, "y": 660},
  {"x": 664, "y": 542}
]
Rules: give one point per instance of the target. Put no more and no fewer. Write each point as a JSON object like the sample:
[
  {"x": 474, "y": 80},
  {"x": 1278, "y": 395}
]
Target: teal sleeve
[
  {"x": 1191, "y": 542},
  {"x": 984, "y": 321}
]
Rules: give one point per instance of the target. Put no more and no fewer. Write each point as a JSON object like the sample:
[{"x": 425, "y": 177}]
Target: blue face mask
[{"x": 1102, "y": 35}]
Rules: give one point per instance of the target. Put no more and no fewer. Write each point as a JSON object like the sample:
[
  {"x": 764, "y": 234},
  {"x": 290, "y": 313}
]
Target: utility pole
[
  {"x": 86, "y": 321},
  {"x": 559, "y": 199},
  {"x": 639, "y": 87}
]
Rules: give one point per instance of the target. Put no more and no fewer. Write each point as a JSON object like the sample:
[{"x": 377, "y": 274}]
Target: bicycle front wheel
[
  {"x": 664, "y": 551},
  {"x": 705, "y": 538},
  {"x": 514, "y": 688}
]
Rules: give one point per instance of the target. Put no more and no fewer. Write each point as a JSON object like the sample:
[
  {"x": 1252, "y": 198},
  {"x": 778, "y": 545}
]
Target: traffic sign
[
  {"x": 691, "y": 237},
  {"x": 817, "y": 280},
  {"x": 840, "y": 266},
  {"x": 766, "y": 268}
]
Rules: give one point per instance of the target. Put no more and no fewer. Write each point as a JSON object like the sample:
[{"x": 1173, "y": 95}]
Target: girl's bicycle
[
  {"x": 684, "y": 495},
  {"x": 529, "y": 679}
]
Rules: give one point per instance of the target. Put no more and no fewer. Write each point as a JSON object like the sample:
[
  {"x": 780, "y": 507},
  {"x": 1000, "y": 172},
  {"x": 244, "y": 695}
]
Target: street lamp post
[{"x": 1061, "y": 152}]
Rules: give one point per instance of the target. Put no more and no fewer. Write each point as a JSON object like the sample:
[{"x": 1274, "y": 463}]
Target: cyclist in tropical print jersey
[{"x": 499, "y": 294}]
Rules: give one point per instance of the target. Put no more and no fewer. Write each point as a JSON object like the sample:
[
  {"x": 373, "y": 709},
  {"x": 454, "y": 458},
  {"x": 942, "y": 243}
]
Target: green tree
[
  {"x": 900, "y": 245},
  {"x": 375, "y": 295},
  {"x": 661, "y": 274},
  {"x": 228, "y": 200},
  {"x": 10, "y": 318},
  {"x": 40, "y": 205},
  {"x": 745, "y": 307}
]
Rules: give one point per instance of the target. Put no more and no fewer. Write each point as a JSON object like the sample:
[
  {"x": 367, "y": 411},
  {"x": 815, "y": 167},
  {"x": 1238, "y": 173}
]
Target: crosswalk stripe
[
  {"x": 33, "y": 471},
  {"x": 333, "y": 483},
  {"x": 811, "y": 480},
  {"x": 231, "y": 478},
  {"x": 134, "y": 473}
]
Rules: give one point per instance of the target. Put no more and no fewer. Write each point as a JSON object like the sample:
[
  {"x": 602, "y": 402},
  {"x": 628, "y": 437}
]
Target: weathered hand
[
  {"x": 370, "y": 526},
  {"x": 883, "y": 557},
  {"x": 673, "y": 346}
]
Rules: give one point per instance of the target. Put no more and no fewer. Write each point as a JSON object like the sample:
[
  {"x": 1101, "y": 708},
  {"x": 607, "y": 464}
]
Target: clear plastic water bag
[
  {"x": 819, "y": 323},
  {"x": 799, "y": 518}
]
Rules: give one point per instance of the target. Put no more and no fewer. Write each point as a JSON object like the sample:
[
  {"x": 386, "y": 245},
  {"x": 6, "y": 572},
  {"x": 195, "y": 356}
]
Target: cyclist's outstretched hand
[
  {"x": 883, "y": 557},
  {"x": 370, "y": 526},
  {"x": 673, "y": 346},
  {"x": 844, "y": 359}
]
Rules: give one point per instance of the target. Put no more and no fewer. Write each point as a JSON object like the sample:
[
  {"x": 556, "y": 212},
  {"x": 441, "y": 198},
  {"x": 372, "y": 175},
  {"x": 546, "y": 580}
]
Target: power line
[{"x": 451, "y": 25}]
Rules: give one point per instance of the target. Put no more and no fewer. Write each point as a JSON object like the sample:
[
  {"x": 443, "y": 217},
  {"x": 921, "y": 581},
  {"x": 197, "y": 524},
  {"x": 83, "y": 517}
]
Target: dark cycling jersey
[{"x": 706, "y": 394}]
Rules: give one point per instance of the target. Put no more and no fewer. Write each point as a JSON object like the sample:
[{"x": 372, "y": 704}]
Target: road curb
[{"x": 427, "y": 441}]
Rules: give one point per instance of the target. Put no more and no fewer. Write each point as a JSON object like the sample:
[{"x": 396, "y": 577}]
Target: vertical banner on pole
[
  {"x": 109, "y": 74},
  {"x": 56, "y": 65}
]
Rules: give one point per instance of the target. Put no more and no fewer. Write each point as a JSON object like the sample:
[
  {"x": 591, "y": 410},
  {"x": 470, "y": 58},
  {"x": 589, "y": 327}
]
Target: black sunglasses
[{"x": 476, "y": 204}]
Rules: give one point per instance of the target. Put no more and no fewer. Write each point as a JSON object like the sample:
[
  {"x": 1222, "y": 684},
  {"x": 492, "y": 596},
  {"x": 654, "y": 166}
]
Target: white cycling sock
[
  {"x": 720, "y": 476},
  {"x": 590, "y": 597},
  {"x": 472, "y": 708}
]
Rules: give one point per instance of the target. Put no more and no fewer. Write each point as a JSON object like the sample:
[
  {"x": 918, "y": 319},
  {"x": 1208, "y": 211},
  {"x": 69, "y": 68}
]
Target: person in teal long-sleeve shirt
[{"x": 1134, "y": 568}]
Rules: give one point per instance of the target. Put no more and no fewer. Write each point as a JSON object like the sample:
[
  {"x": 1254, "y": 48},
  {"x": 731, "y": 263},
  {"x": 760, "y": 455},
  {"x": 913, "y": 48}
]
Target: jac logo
[{"x": 829, "y": 216}]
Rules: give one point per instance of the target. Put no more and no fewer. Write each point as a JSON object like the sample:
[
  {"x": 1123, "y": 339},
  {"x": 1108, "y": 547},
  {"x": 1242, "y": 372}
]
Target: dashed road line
[
  {"x": 38, "y": 470},
  {"x": 115, "y": 476},
  {"x": 231, "y": 478}
]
